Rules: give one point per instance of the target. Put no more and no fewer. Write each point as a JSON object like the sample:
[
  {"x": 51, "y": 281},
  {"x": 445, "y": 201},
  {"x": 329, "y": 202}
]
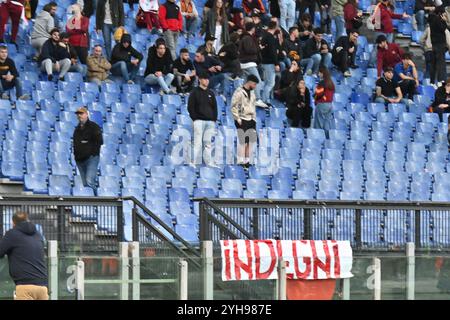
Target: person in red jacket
[
  {"x": 382, "y": 19},
  {"x": 323, "y": 98},
  {"x": 11, "y": 9},
  {"x": 78, "y": 27},
  {"x": 352, "y": 16},
  {"x": 388, "y": 54},
  {"x": 171, "y": 22}
]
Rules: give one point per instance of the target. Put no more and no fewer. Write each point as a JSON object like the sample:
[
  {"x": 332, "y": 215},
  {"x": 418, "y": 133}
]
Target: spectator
[
  {"x": 24, "y": 246},
  {"x": 159, "y": 67},
  {"x": 98, "y": 66},
  {"x": 243, "y": 108},
  {"x": 229, "y": 56},
  {"x": 298, "y": 104},
  {"x": 150, "y": 10},
  {"x": 251, "y": 6},
  {"x": 236, "y": 22},
  {"x": 33, "y": 7},
  {"x": 337, "y": 12},
  {"x": 325, "y": 18},
  {"x": 87, "y": 7},
  {"x": 259, "y": 26},
  {"x": 441, "y": 103},
  {"x": 9, "y": 76},
  {"x": 302, "y": 5},
  {"x": 305, "y": 29},
  {"x": 208, "y": 47},
  {"x": 53, "y": 57},
  {"x": 184, "y": 71},
  {"x": 421, "y": 9},
  {"x": 11, "y": 9},
  {"x": 78, "y": 28},
  {"x": 405, "y": 74},
  {"x": 43, "y": 24},
  {"x": 425, "y": 41},
  {"x": 202, "y": 107},
  {"x": 438, "y": 25},
  {"x": 290, "y": 76},
  {"x": 125, "y": 59},
  {"x": 248, "y": 56},
  {"x": 71, "y": 53},
  {"x": 323, "y": 98},
  {"x": 215, "y": 24},
  {"x": 270, "y": 65},
  {"x": 344, "y": 53},
  {"x": 172, "y": 24},
  {"x": 387, "y": 89},
  {"x": 108, "y": 17},
  {"x": 317, "y": 49},
  {"x": 275, "y": 10},
  {"x": 291, "y": 48},
  {"x": 352, "y": 16},
  {"x": 87, "y": 140},
  {"x": 382, "y": 19},
  {"x": 190, "y": 17},
  {"x": 211, "y": 66},
  {"x": 388, "y": 54},
  {"x": 287, "y": 14}
]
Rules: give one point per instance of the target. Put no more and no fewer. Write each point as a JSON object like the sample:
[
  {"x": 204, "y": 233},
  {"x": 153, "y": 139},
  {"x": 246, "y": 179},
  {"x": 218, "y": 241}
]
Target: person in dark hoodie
[
  {"x": 54, "y": 57},
  {"x": 24, "y": 247},
  {"x": 229, "y": 55},
  {"x": 438, "y": 24},
  {"x": 344, "y": 53},
  {"x": 125, "y": 59},
  {"x": 87, "y": 140},
  {"x": 202, "y": 108},
  {"x": 159, "y": 66},
  {"x": 298, "y": 103}
]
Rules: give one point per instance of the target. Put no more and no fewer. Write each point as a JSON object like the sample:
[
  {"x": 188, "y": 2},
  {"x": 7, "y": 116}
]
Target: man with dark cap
[
  {"x": 202, "y": 107},
  {"x": 243, "y": 108},
  {"x": 24, "y": 246},
  {"x": 125, "y": 59},
  {"x": 87, "y": 140}
]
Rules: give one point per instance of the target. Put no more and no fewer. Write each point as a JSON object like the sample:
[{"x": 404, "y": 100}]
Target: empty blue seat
[
  {"x": 235, "y": 172},
  {"x": 178, "y": 194}
]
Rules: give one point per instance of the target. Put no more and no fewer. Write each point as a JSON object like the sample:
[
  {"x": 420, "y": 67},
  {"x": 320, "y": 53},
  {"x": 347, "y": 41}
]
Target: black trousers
[
  {"x": 438, "y": 67},
  {"x": 343, "y": 60},
  {"x": 301, "y": 7},
  {"x": 299, "y": 117},
  {"x": 408, "y": 88},
  {"x": 82, "y": 54},
  {"x": 33, "y": 5}
]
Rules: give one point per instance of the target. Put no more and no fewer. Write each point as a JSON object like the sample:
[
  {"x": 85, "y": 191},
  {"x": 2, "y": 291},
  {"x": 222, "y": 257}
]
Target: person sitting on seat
[
  {"x": 184, "y": 70},
  {"x": 441, "y": 103},
  {"x": 98, "y": 66},
  {"x": 54, "y": 57},
  {"x": 9, "y": 76},
  {"x": 76, "y": 65},
  {"x": 405, "y": 73},
  {"x": 211, "y": 66},
  {"x": 344, "y": 53},
  {"x": 125, "y": 59},
  {"x": 387, "y": 89},
  {"x": 159, "y": 66}
]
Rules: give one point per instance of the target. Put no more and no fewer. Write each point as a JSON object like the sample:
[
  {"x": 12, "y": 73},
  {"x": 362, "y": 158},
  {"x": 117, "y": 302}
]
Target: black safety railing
[{"x": 369, "y": 225}]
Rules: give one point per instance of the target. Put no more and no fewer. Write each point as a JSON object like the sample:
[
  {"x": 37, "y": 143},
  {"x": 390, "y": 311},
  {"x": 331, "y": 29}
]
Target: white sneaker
[
  {"x": 347, "y": 74},
  {"x": 130, "y": 82},
  {"x": 24, "y": 97},
  {"x": 5, "y": 96},
  {"x": 309, "y": 72},
  {"x": 261, "y": 104}
]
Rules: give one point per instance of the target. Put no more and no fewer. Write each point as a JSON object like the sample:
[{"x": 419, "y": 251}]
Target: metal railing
[{"x": 369, "y": 225}]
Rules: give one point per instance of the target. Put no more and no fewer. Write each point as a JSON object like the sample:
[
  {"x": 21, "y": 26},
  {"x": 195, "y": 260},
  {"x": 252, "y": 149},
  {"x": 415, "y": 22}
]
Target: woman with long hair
[
  {"x": 298, "y": 104},
  {"x": 215, "y": 24},
  {"x": 323, "y": 98},
  {"x": 78, "y": 29}
]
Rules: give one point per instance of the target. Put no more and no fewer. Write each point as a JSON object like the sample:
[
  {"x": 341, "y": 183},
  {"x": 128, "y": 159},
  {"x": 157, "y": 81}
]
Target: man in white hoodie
[{"x": 43, "y": 24}]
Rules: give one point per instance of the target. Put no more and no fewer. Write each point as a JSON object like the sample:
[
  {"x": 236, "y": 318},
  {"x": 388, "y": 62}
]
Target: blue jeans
[
  {"x": 164, "y": 81},
  {"x": 269, "y": 81},
  {"x": 323, "y": 115},
  {"x": 420, "y": 18},
  {"x": 287, "y": 14},
  {"x": 126, "y": 70},
  {"x": 254, "y": 71},
  {"x": 190, "y": 25},
  {"x": 307, "y": 64},
  {"x": 217, "y": 79},
  {"x": 204, "y": 131},
  {"x": 321, "y": 59},
  {"x": 4, "y": 86},
  {"x": 88, "y": 171},
  {"x": 340, "y": 27},
  {"x": 107, "y": 30},
  {"x": 80, "y": 68}
]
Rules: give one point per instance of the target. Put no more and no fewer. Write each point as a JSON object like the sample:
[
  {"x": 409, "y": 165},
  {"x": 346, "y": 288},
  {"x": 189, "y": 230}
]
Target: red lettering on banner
[
  {"x": 318, "y": 263},
  {"x": 337, "y": 259},
  {"x": 306, "y": 260},
  {"x": 273, "y": 259},
  {"x": 239, "y": 264},
  {"x": 226, "y": 253}
]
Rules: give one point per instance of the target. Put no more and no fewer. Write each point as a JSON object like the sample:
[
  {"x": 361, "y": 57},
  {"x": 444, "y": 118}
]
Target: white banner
[{"x": 306, "y": 259}]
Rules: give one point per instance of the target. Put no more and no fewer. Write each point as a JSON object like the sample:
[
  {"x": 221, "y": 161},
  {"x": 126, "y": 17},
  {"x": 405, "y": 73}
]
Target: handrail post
[
  {"x": 410, "y": 271},
  {"x": 307, "y": 224},
  {"x": 120, "y": 224},
  {"x": 358, "y": 229},
  {"x": 53, "y": 269},
  {"x": 377, "y": 279},
  {"x": 61, "y": 220},
  {"x": 183, "y": 279},
  {"x": 124, "y": 273},
  {"x": 135, "y": 225},
  {"x": 205, "y": 235},
  {"x": 2, "y": 227},
  {"x": 417, "y": 228},
  {"x": 281, "y": 282},
  {"x": 79, "y": 280},
  {"x": 255, "y": 225},
  {"x": 136, "y": 271},
  {"x": 346, "y": 289},
  {"x": 208, "y": 270}
]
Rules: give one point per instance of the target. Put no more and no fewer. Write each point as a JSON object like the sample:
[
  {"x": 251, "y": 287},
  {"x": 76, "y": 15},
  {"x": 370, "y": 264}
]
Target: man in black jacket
[
  {"x": 291, "y": 47},
  {"x": 109, "y": 16},
  {"x": 270, "y": 47},
  {"x": 438, "y": 25},
  {"x": 9, "y": 76},
  {"x": 211, "y": 66},
  {"x": 24, "y": 247},
  {"x": 76, "y": 65},
  {"x": 159, "y": 66},
  {"x": 87, "y": 140},
  {"x": 54, "y": 57},
  {"x": 202, "y": 107},
  {"x": 318, "y": 50},
  {"x": 344, "y": 52},
  {"x": 125, "y": 59}
]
